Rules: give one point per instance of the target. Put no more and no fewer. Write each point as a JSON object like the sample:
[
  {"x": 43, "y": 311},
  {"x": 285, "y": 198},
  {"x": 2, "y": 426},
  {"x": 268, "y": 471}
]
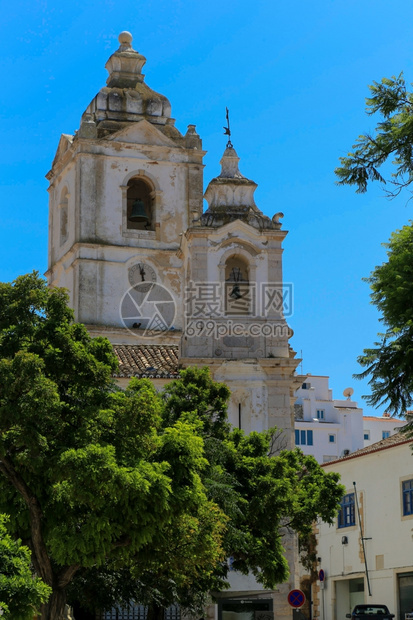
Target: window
[
  {"x": 139, "y": 207},
  {"x": 332, "y": 439},
  {"x": 407, "y": 492},
  {"x": 306, "y": 386},
  {"x": 385, "y": 434},
  {"x": 64, "y": 216},
  {"x": 303, "y": 438},
  {"x": 238, "y": 293},
  {"x": 366, "y": 435},
  {"x": 235, "y": 609},
  {"x": 346, "y": 515},
  {"x": 320, "y": 414}
]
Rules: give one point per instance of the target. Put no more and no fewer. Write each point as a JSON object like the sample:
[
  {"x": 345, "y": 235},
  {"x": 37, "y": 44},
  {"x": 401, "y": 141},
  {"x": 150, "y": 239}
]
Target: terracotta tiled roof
[
  {"x": 383, "y": 419},
  {"x": 152, "y": 361},
  {"x": 384, "y": 444}
]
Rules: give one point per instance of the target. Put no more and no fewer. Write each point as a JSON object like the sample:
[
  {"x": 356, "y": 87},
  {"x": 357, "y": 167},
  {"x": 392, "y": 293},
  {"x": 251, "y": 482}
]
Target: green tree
[
  {"x": 21, "y": 593},
  {"x": 389, "y": 363},
  {"x": 131, "y": 494},
  {"x": 90, "y": 475},
  {"x": 393, "y": 138},
  {"x": 265, "y": 493},
  {"x": 262, "y": 488}
]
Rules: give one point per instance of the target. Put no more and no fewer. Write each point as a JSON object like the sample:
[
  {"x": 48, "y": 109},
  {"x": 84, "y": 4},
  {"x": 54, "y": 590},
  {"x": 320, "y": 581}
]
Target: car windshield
[{"x": 371, "y": 609}]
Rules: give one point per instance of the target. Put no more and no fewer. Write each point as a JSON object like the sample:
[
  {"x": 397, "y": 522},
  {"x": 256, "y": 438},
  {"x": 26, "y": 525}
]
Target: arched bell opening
[
  {"x": 237, "y": 286},
  {"x": 139, "y": 209}
]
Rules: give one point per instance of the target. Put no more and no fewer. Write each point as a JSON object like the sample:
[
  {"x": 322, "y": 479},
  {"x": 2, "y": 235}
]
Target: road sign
[
  {"x": 321, "y": 575},
  {"x": 296, "y": 598}
]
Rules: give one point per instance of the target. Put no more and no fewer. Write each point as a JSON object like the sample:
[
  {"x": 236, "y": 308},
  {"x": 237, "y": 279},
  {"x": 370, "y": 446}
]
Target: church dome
[
  {"x": 230, "y": 196},
  {"x": 126, "y": 98}
]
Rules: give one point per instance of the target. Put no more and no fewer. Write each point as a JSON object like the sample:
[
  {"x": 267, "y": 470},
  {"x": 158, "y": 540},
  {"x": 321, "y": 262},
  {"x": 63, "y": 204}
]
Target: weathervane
[{"x": 227, "y": 131}]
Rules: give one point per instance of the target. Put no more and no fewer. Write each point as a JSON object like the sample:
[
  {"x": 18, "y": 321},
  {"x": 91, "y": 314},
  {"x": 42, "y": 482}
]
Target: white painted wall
[
  {"x": 342, "y": 421},
  {"x": 389, "y": 535},
  {"x": 375, "y": 427},
  {"x": 338, "y": 429}
]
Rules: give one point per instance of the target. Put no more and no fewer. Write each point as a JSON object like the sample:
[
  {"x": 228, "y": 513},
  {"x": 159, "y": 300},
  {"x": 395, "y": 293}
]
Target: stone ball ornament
[{"x": 125, "y": 38}]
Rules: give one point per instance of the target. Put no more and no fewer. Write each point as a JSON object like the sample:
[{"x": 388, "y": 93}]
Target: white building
[
  {"x": 324, "y": 427},
  {"x": 367, "y": 554},
  {"x": 328, "y": 428},
  {"x": 376, "y": 429}
]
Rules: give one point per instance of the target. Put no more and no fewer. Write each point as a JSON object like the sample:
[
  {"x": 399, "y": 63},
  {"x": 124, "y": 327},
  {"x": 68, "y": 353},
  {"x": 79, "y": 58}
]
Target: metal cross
[{"x": 227, "y": 131}]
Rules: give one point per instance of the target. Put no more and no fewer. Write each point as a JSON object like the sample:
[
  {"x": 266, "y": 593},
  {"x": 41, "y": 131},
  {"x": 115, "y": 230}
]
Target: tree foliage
[
  {"x": 90, "y": 476},
  {"x": 21, "y": 594},
  {"x": 390, "y": 362},
  {"x": 393, "y": 138},
  {"x": 266, "y": 495},
  {"x": 135, "y": 495},
  {"x": 263, "y": 491}
]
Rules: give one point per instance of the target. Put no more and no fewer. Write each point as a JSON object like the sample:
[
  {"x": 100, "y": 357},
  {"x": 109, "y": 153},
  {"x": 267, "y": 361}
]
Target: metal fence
[{"x": 138, "y": 612}]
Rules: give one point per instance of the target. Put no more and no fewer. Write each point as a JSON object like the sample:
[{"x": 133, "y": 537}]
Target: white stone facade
[
  {"x": 383, "y": 475},
  {"x": 126, "y": 217}
]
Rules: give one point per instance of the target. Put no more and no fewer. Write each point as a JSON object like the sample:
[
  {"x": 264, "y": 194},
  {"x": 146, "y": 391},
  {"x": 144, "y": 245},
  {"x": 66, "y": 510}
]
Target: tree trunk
[
  {"x": 55, "y": 607},
  {"x": 155, "y": 612}
]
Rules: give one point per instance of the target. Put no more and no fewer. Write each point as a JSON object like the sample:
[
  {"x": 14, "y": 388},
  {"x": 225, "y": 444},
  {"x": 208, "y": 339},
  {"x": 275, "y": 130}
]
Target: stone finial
[
  {"x": 125, "y": 65},
  {"x": 125, "y": 39},
  {"x": 192, "y": 139},
  {"x": 87, "y": 127},
  {"x": 229, "y": 165},
  {"x": 231, "y": 189}
]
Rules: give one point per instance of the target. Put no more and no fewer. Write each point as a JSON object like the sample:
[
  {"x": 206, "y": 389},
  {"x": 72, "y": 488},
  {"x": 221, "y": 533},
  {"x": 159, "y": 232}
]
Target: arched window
[
  {"x": 139, "y": 210},
  {"x": 237, "y": 286},
  {"x": 64, "y": 216}
]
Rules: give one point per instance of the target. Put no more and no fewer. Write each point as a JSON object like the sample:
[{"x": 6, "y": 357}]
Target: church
[{"x": 170, "y": 284}]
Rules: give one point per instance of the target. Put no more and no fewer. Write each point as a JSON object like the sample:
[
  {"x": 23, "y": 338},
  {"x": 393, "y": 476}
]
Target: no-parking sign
[{"x": 296, "y": 598}]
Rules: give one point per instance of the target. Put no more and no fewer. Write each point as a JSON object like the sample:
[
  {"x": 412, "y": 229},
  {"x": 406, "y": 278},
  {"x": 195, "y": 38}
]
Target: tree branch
[
  {"x": 66, "y": 575},
  {"x": 41, "y": 559},
  {"x": 124, "y": 541}
]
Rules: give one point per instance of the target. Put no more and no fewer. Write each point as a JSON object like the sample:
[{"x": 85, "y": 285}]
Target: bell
[
  {"x": 138, "y": 212},
  {"x": 235, "y": 293}
]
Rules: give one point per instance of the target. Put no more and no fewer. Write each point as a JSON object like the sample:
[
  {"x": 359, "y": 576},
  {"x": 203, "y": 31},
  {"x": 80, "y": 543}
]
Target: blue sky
[{"x": 294, "y": 76}]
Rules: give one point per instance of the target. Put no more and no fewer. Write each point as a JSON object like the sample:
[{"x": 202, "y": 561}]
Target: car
[{"x": 370, "y": 612}]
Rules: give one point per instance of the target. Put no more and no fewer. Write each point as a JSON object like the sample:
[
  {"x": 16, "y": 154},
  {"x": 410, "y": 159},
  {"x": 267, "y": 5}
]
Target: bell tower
[
  {"x": 168, "y": 284},
  {"x": 236, "y": 306},
  {"x": 236, "y": 302},
  {"x": 122, "y": 191}
]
